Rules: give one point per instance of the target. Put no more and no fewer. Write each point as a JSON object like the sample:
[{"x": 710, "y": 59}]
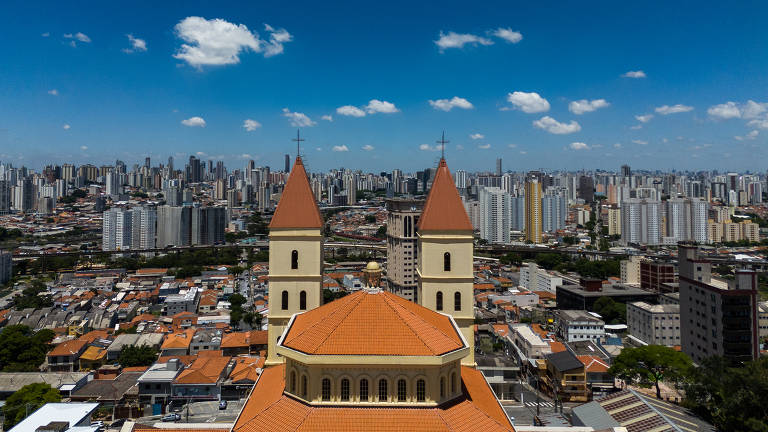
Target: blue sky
[{"x": 74, "y": 86}]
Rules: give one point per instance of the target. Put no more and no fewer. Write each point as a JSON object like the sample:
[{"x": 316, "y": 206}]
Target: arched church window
[
  {"x": 284, "y": 300},
  {"x": 401, "y": 390},
  {"x": 457, "y": 301},
  {"x": 421, "y": 391},
  {"x": 364, "y": 390},
  {"x": 326, "y": 389},
  {"x": 303, "y": 300},
  {"x": 439, "y": 301},
  {"x": 345, "y": 389},
  {"x": 294, "y": 259},
  {"x": 383, "y": 391},
  {"x": 447, "y": 261},
  {"x": 293, "y": 382}
]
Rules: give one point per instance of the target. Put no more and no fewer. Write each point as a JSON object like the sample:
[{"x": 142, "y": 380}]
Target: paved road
[{"x": 203, "y": 412}]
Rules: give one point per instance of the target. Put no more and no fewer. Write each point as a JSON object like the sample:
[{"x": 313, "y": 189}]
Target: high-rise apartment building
[
  {"x": 207, "y": 225},
  {"x": 641, "y": 221},
  {"x": 586, "y": 189},
  {"x": 402, "y": 253},
  {"x": 116, "y": 229},
  {"x": 553, "y": 212},
  {"x": 533, "y": 215},
  {"x": 498, "y": 166},
  {"x": 686, "y": 220},
  {"x": 614, "y": 220},
  {"x": 6, "y": 267},
  {"x": 173, "y": 226},
  {"x": 495, "y": 207},
  {"x": 717, "y": 317},
  {"x": 143, "y": 227}
]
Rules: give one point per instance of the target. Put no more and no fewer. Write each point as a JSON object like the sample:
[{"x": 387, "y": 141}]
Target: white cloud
[
  {"x": 753, "y": 109},
  {"x": 553, "y": 126},
  {"x": 617, "y": 145},
  {"x": 298, "y": 119},
  {"x": 427, "y": 147},
  {"x": 484, "y": 146},
  {"x": 78, "y": 36},
  {"x": 218, "y": 42},
  {"x": 449, "y": 104},
  {"x": 634, "y": 74},
  {"x": 645, "y": 118},
  {"x": 377, "y": 106},
  {"x": 327, "y": 117},
  {"x": 341, "y": 148},
  {"x": 636, "y": 127},
  {"x": 476, "y": 136},
  {"x": 584, "y": 106},
  {"x": 458, "y": 40},
  {"x": 46, "y": 34},
  {"x": 351, "y": 111},
  {"x": 277, "y": 37},
  {"x": 368, "y": 147},
  {"x": 83, "y": 147},
  {"x": 640, "y": 142},
  {"x": 579, "y": 146},
  {"x": 246, "y": 156},
  {"x": 512, "y": 145},
  {"x": 459, "y": 147},
  {"x": 726, "y": 110},
  {"x": 528, "y": 102},
  {"x": 674, "y": 109},
  {"x": 759, "y": 123},
  {"x": 194, "y": 122},
  {"x": 53, "y": 92},
  {"x": 66, "y": 126},
  {"x": 508, "y": 35},
  {"x": 251, "y": 125},
  {"x": 523, "y": 152},
  {"x": 137, "y": 45},
  {"x": 750, "y": 136}
]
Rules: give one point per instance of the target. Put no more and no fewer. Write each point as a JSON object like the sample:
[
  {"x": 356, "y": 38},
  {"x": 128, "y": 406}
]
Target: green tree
[
  {"x": 648, "y": 365},
  {"x": 26, "y": 400},
  {"x": 21, "y": 350},
  {"x": 732, "y": 397},
  {"x": 512, "y": 258},
  {"x": 237, "y": 301},
  {"x": 235, "y": 271},
  {"x": 613, "y": 312},
  {"x": 132, "y": 355}
]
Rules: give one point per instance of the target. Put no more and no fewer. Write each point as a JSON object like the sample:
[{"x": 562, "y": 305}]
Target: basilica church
[{"x": 371, "y": 361}]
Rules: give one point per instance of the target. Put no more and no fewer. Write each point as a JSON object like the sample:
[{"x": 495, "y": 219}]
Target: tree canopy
[
  {"x": 648, "y": 365},
  {"x": 613, "y": 312},
  {"x": 26, "y": 400},
  {"x": 731, "y": 398},
  {"x": 132, "y": 355},
  {"x": 21, "y": 350}
]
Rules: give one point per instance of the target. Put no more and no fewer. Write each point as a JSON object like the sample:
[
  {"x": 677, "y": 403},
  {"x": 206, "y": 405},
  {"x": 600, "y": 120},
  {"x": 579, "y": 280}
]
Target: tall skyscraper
[
  {"x": 207, "y": 225},
  {"x": 402, "y": 220},
  {"x": 586, "y": 188},
  {"x": 533, "y": 215},
  {"x": 553, "y": 212},
  {"x": 495, "y": 215},
  {"x": 173, "y": 226},
  {"x": 287, "y": 164},
  {"x": 626, "y": 171},
  {"x": 641, "y": 221},
  {"x": 116, "y": 229},
  {"x": 517, "y": 215},
  {"x": 498, "y": 166},
  {"x": 143, "y": 227}
]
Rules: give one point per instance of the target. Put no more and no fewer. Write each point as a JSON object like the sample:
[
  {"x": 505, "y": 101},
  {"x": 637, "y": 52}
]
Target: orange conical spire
[
  {"x": 297, "y": 207},
  {"x": 444, "y": 210}
]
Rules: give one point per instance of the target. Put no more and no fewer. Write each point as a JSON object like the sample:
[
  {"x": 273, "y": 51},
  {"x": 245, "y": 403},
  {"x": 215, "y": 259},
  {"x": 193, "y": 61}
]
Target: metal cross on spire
[
  {"x": 298, "y": 140},
  {"x": 442, "y": 143}
]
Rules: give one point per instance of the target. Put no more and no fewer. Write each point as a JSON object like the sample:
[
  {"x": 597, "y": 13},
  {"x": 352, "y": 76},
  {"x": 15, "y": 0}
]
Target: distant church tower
[
  {"x": 295, "y": 256},
  {"x": 445, "y": 248}
]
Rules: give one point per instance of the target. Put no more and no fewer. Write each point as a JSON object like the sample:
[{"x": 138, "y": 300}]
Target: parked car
[
  {"x": 223, "y": 405},
  {"x": 118, "y": 422},
  {"x": 171, "y": 417}
]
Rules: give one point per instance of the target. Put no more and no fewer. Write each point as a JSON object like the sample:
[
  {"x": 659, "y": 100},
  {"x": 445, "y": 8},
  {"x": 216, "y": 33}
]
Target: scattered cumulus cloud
[
  {"x": 83, "y": 147},
  {"x": 636, "y": 127},
  {"x": 645, "y": 118},
  {"x": 137, "y": 45},
  {"x": 427, "y": 147},
  {"x": 640, "y": 142},
  {"x": 53, "y": 92},
  {"x": 553, "y": 126},
  {"x": 476, "y": 136},
  {"x": 578, "y": 146},
  {"x": 217, "y": 42},
  {"x": 77, "y": 37},
  {"x": 368, "y": 147},
  {"x": 584, "y": 106},
  {"x": 377, "y": 106},
  {"x": 674, "y": 109},
  {"x": 750, "y": 136},
  {"x": 458, "y": 40},
  {"x": 251, "y": 125},
  {"x": 528, "y": 102},
  {"x": 523, "y": 152},
  {"x": 351, "y": 111},
  {"x": 298, "y": 119},
  {"x": 508, "y": 35},
  {"x": 634, "y": 74},
  {"x": 327, "y": 117},
  {"x": 340, "y": 148},
  {"x": 753, "y": 111},
  {"x": 484, "y": 146},
  {"x": 512, "y": 145},
  {"x": 194, "y": 122},
  {"x": 46, "y": 34},
  {"x": 449, "y": 104},
  {"x": 617, "y": 145},
  {"x": 66, "y": 126}
]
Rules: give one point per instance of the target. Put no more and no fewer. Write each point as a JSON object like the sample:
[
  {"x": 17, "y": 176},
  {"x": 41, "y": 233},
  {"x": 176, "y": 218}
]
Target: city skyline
[{"x": 563, "y": 89}]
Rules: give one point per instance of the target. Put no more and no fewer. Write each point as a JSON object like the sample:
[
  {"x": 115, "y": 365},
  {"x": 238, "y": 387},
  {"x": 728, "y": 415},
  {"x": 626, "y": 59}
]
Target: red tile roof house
[
  {"x": 64, "y": 357},
  {"x": 202, "y": 379}
]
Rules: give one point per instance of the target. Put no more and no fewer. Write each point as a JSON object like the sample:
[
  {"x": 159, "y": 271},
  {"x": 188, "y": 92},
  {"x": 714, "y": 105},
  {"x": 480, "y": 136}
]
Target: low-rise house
[
  {"x": 576, "y": 325},
  {"x": 58, "y": 416},
  {"x": 249, "y": 342},
  {"x": 65, "y": 382},
  {"x": 654, "y": 324},
  {"x": 112, "y": 390},
  {"x": 528, "y": 344},
  {"x": 243, "y": 376},
  {"x": 205, "y": 340},
  {"x": 566, "y": 377},
  {"x": 177, "y": 343},
  {"x": 182, "y": 302},
  {"x": 64, "y": 357},
  {"x": 155, "y": 382},
  {"x": 93, "y": 357},
  {"x": 150, "y": 339},
  {"x": 202, "y": 379}
]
